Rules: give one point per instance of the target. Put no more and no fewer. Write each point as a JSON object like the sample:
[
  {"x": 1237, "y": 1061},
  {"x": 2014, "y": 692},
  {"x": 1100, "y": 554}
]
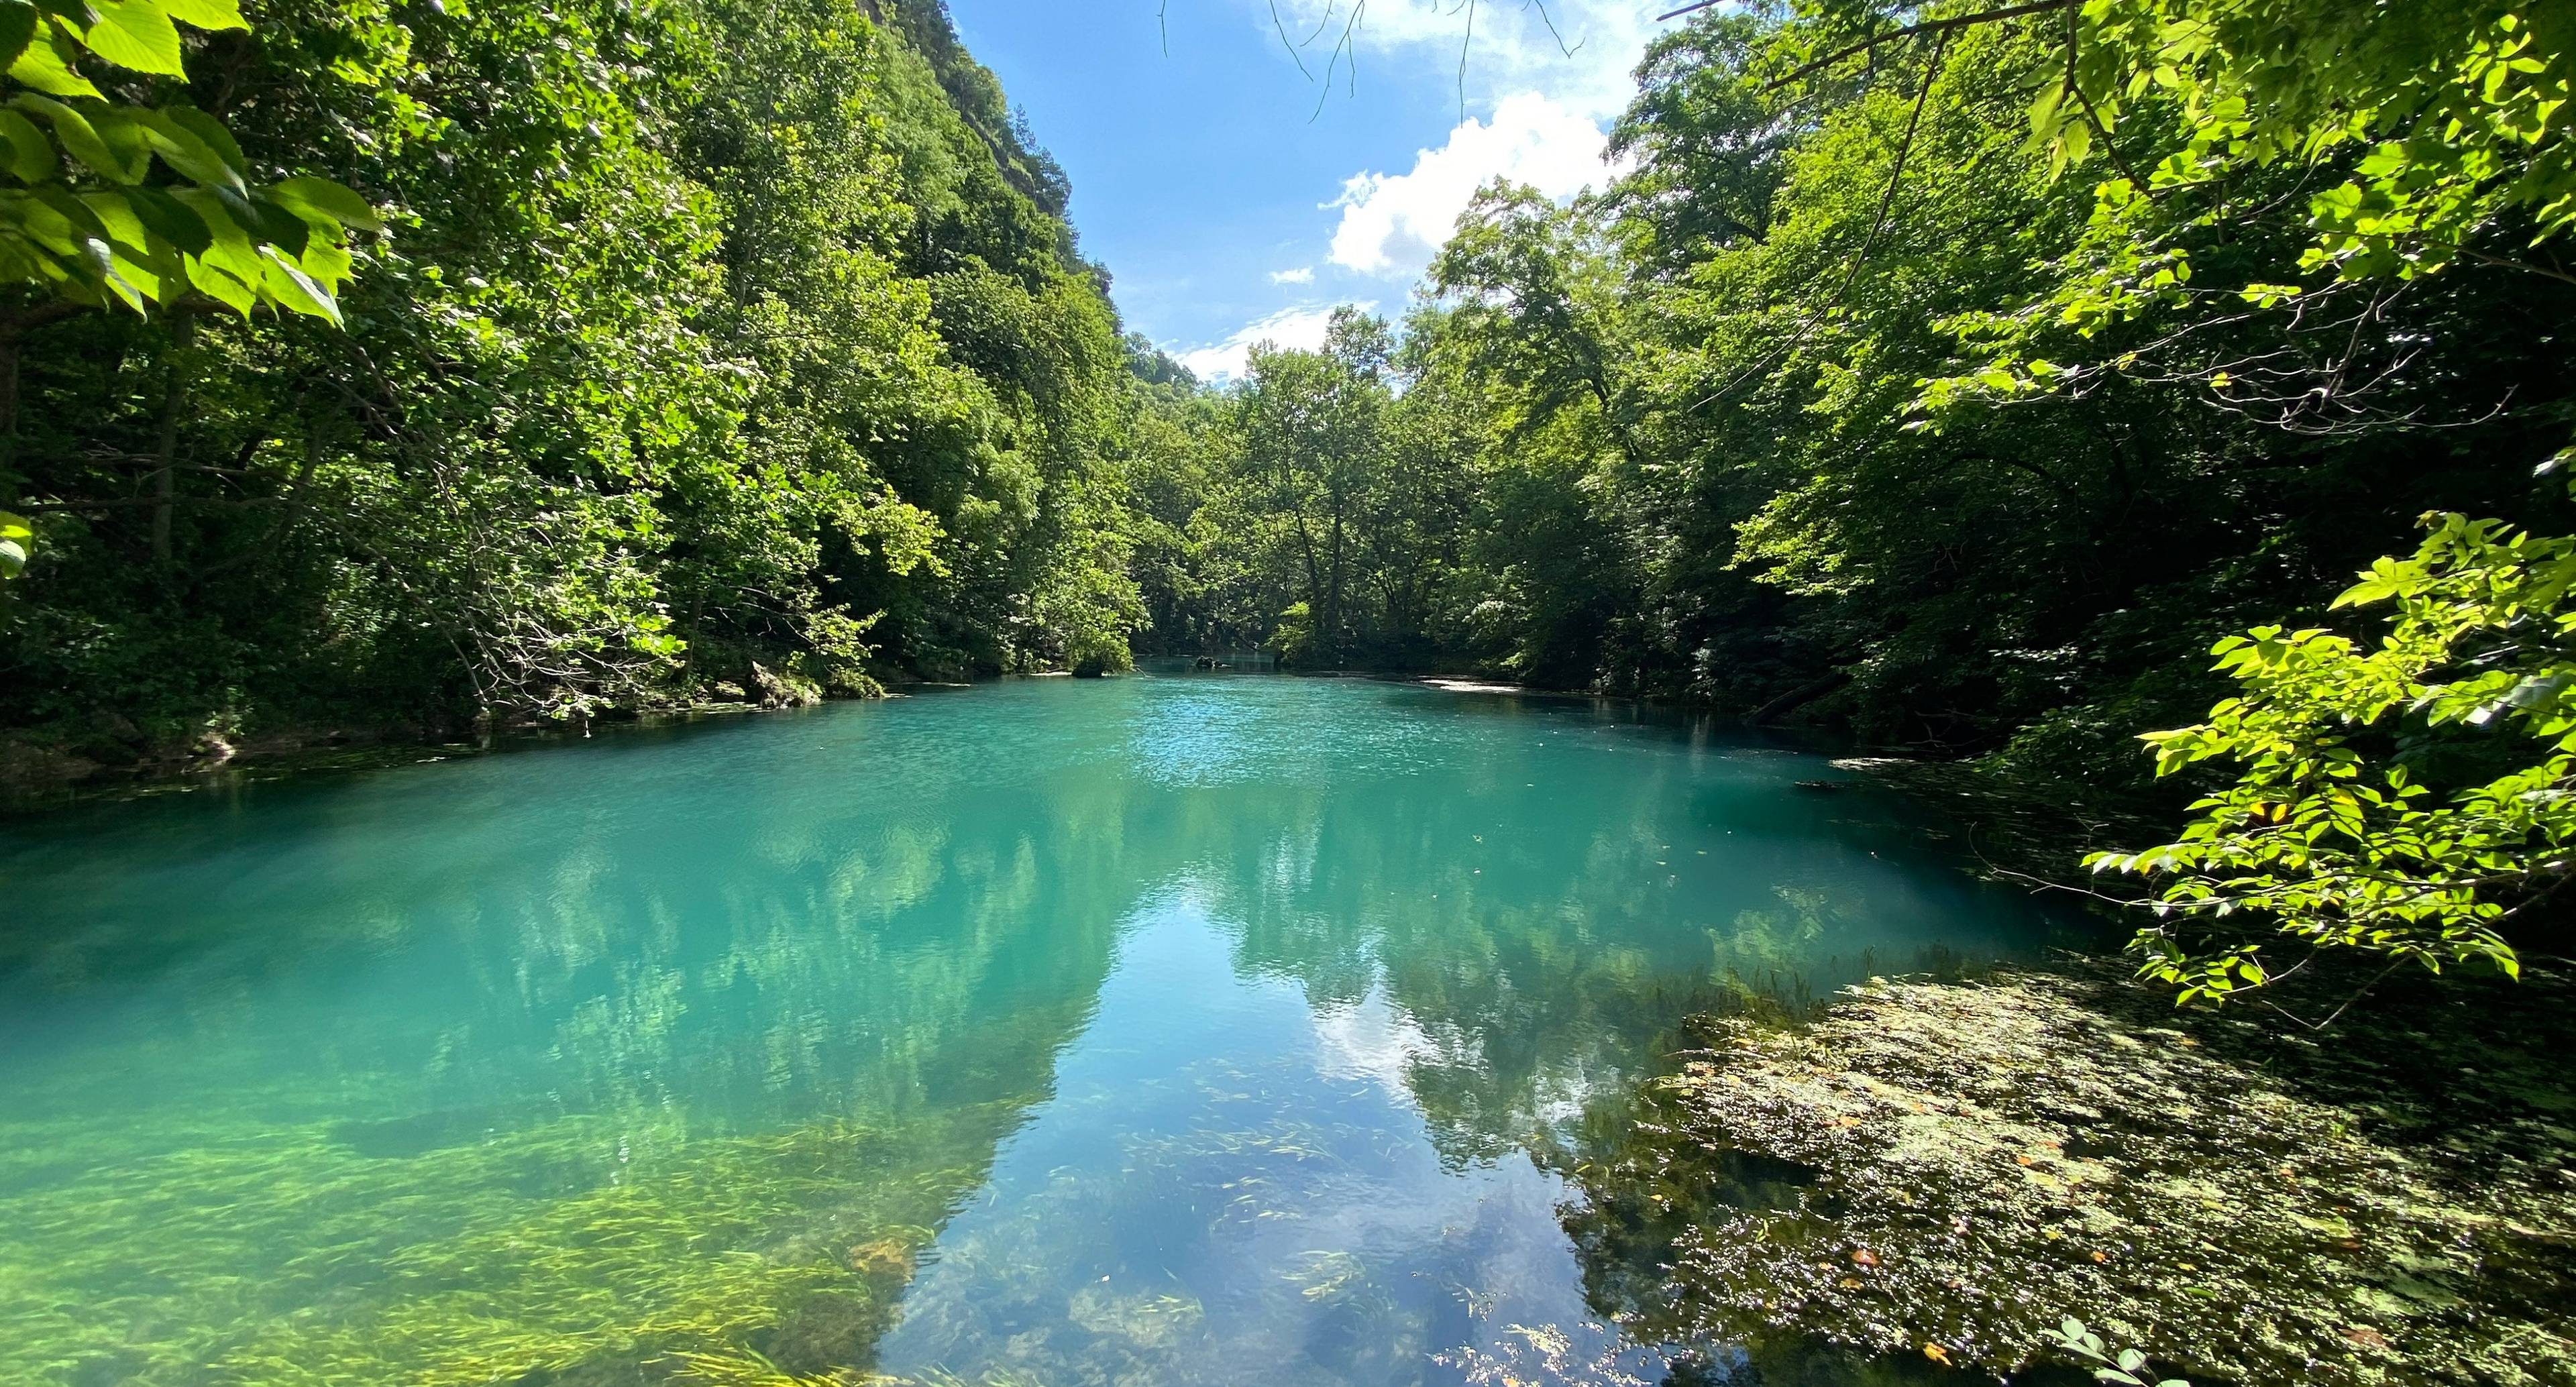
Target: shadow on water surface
[{"x": 1151, "y": 1030}]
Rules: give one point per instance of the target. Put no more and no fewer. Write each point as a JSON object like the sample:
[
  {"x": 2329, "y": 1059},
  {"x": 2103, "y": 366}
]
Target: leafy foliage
[
  {"x": 2349, "y": 843},
  {"x": 2122, "y": 1369},
  {"x": 718, "y": 353},
  {"x": 117, "y": 202},
  {"x": 729, "y": 353},
  {"x": 2443, "y": 118},
  {"x": 109, "y": 202},
  {"x": 1953, "y": 375}
]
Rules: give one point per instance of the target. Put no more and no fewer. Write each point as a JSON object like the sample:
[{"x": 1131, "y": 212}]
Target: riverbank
[
  {"x": 1953, "y": 1167},
  {"x": 116, "y": 758},
  {"x": 110, "y": 756}
]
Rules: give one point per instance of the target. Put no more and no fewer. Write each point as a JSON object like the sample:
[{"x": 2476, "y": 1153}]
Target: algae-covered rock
[{"x": 2388, "y": 1202}]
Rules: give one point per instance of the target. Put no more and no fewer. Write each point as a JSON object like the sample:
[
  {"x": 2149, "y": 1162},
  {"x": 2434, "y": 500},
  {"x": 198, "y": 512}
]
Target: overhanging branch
[{"x": 1929, "y": 26}]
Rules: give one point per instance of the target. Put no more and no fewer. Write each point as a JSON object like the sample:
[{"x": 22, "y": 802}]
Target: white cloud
[
  {"x": 1374, "y": 1042},
  {"x": 1303, "y": 274},
  {"x": 1300, "y": 328},
  {"x": 1392, "y": 223}
]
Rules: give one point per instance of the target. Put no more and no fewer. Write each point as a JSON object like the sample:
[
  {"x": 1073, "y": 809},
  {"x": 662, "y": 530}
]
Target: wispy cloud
[
  {"x": 1393, "y": 223},
  {"x": 1540, "y": 80},
  {"x": 1301, "y": 328},
  {"x": 1303, "y": 274}
]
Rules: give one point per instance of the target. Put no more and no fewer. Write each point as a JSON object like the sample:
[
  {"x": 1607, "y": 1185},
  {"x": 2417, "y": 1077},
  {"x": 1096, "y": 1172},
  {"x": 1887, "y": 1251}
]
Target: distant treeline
[{"x": 1853, "y": 401}]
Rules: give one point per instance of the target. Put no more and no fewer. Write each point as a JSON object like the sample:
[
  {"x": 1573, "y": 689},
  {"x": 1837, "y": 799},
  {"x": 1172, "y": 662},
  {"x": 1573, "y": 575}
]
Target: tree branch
[{"x": 1929, "y": 26}]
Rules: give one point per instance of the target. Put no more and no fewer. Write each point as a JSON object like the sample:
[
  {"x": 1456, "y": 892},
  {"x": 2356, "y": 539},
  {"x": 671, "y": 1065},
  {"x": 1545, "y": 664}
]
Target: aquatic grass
[
  {"x": 287, "y": 1260},
  {"x": 630, "y": 1271},
  {"x": 1947, "y": 1167}
]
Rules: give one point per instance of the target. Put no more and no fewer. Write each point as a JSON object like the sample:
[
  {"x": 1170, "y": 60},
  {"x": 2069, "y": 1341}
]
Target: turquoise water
[{"x": 1178, "y": 1030}]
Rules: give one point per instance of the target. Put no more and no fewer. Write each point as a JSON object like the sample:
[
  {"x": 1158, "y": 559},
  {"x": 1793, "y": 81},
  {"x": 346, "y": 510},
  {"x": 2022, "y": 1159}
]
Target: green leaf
[
  {"x": 212, "y": 132},
  {"x": 73, "y": 211},
  {"x": 327, "y": 263},
  {"x": 17, "y": 30},
  {"x": 124, "y": 229},
  {"x": 78, "y": 137},
  {"x": 207, "y": 14},
  {"x": 222, "y": 287},
  {"x": 171, "y": 220},
  {"x": 29, "y": 155},
  {"x": 126, "y": 139},
  {"x": 272, "y": 224},
  {"x": 287, "y": 284},
  {"x": 325, "y": 203},
  {"x": 47, "y": 67},
  {"x": 232, "y": 250},
  {"x": 184, "y": 150},
  {"x": 46, "y": 225},
  {"x": 136, "y": 34}
]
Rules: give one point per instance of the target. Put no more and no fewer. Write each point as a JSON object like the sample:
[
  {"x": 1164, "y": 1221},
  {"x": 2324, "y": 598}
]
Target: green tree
[
  {"x": 111, "y": 200},
  {"x": 1312, "y": 428},
  {"x": 722, "y": 352}
]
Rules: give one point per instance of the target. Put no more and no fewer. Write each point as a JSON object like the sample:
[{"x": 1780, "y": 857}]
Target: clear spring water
[{"x": 1157, "y": 1030}]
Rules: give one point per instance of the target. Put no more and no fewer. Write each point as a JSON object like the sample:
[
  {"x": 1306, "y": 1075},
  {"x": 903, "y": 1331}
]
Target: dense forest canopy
[
  {"x": 706, "y": 346},
  {"x": 1949, "y": 376}
]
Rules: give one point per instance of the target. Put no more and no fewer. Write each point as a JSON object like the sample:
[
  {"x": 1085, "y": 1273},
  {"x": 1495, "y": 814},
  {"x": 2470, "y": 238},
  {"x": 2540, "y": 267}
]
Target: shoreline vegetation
[{"x": 37, "y": 769}]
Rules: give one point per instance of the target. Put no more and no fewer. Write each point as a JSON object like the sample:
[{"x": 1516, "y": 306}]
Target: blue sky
[{"x": 1230, "y": 208}]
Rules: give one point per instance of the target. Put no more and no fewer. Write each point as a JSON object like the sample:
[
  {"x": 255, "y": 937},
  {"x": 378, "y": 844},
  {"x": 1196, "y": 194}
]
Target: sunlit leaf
[
  {"x": 46, "y": 67},
  {"x": 77, "y": 136},
  {"x": 288, "y": 285},
  {"x": 136, "y": 34},
  {"x": 324, "y": 203},
  {"x": 207, "y": 14}
]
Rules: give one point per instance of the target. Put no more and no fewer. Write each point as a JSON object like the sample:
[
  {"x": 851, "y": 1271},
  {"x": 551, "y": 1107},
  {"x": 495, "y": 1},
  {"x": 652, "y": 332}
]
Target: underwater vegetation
[
  {"x": 583, "y": 1250},
  {"x": 1947, "y": 1169}
]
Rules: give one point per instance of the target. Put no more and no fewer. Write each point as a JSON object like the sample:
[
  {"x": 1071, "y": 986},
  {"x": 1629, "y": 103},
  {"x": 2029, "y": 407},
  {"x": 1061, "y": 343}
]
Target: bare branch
[
  {"x": 1294, "y": 56},
  {"x": 1929, "y": 26},
  {"x": 1463, "y": 45}
]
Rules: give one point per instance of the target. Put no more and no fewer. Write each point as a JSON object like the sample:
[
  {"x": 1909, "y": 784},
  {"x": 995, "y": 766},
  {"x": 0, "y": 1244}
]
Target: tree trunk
[
  {"x": 1799, "y": 697},
  {"x": 1333, "y": 622},
  {"x": 174, "y": 396},
  {"x": 1314, "y": 569},
  {"x": 13, "y": 333}
]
